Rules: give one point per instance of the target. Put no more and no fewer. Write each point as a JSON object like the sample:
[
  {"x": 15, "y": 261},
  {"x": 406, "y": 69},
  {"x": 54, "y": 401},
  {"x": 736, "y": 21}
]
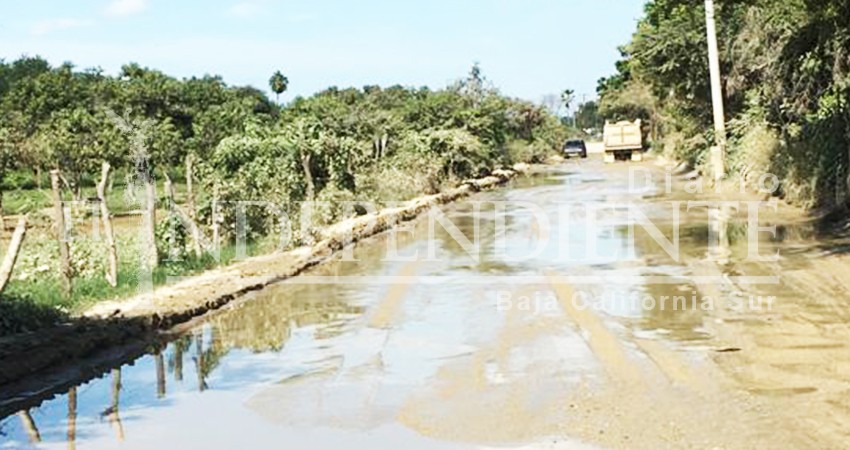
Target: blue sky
[{"x": 528, "y": 48}]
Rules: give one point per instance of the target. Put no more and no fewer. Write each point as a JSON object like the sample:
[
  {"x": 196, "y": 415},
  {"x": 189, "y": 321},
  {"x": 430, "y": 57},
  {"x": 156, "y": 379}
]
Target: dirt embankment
[{"x": 138, "y": 321}]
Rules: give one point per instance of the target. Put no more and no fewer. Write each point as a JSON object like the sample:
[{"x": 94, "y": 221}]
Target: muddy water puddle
[{"x": 418, "y": 343}]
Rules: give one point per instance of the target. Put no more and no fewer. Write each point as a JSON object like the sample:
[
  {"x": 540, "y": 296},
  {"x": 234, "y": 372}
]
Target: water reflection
[
  {"x": 72, "y": 418},
  {"x": 265, "y": 327},
  {"x": 113, "y": 413},
  {"x": 242, "y": 346},
  {"x": 28, "y": 424},
  {"x": 718, "y": 225},
  {"x": 160, "y": 374}
]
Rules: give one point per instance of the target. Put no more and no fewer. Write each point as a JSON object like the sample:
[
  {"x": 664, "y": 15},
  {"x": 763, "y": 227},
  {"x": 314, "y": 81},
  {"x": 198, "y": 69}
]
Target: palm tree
[
  {"x": 278, "y": 83},
  {"x": 567, "y": 98}
]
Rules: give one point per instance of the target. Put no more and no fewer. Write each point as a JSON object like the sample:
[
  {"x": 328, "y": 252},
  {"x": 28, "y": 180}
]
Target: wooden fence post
[
  {"x": 188, "y": 220},
  {"x": 150, "y": 222},
  {"x": 170, "y": 208},
  {"x": 12, "y": 252},
  {"x": 59, "y": 219},
  {"x": 168, "y": 186},
  {"x": 197, "y": 245},
  {"x": 216, "y": 233},
  {"x": 190, "y": 190},
  {"x": 112, "y": 252},
  {"x": 2, "y": 219}
]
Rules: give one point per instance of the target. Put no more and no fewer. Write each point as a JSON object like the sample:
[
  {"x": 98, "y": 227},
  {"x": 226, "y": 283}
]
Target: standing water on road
[{"x": 538, "y": 341}]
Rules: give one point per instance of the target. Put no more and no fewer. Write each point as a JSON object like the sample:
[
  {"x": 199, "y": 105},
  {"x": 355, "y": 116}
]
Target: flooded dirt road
[{"x": 567, "y": 332}]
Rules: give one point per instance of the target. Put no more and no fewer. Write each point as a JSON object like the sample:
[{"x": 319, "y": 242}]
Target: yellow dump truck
[{"x": 623, "y": 141}]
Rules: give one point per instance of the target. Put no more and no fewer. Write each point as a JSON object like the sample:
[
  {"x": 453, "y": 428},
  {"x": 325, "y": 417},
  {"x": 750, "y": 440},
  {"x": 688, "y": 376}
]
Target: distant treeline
[{"x": 247, "y": 145}]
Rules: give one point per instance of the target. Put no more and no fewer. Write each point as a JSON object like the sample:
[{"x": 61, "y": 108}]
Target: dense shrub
[{"x": 786, "y": 83}]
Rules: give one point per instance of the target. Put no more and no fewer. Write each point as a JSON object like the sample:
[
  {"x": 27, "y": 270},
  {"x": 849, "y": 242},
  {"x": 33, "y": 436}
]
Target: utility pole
[{"x": 718, "y": 153}]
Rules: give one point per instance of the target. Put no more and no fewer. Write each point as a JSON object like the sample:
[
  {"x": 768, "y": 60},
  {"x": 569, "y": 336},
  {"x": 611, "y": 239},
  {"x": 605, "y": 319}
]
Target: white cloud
[
  {"x": 244, "y": 10},
  {"x": 48, "y": 26},
  {"x": 122, "y": 8}
]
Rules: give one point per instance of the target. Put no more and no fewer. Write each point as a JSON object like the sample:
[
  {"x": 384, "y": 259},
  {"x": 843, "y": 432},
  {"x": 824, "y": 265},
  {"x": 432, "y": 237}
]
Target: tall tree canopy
[{"x": 786, "y": 85}]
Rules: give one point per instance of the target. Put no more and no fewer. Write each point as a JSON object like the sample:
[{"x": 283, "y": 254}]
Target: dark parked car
[{"x": 575, "y": 147}]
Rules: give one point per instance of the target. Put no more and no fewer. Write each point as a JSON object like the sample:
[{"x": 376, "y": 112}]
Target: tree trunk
[
  {"x": 186, "y": 220},
  {"x": 59, "y": 220},
  {"x": 112, "y": 252},
  {"x": 169, "y": 191},
  {"x": 150, "y": 222},
  {"x": 78, "y": 189},
  {"x": 2, "y": 220},
  {"x": 216, "y": 237},
  {"x": 190, "y": 191},
  {"x": 197, "y": 246},
  {"x": 12, "y": 253},
  {"x": 384, "y": 140},
  {"x": 846, "y": 201},
  {"x": 171, "y": 206},
  {"x": 308, "y": 175},
  {"x": 189, "y": 219}
]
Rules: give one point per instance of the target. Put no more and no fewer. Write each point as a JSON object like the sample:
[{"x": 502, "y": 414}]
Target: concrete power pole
[{"x": 718, "y": 153}]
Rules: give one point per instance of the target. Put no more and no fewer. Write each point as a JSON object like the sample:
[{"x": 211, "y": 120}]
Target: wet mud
[{"x": 435, "y": 348}]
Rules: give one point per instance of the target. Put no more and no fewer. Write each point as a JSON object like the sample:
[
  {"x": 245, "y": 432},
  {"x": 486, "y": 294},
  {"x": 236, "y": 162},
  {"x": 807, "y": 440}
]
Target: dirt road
[{"x": 577, "y": 330}]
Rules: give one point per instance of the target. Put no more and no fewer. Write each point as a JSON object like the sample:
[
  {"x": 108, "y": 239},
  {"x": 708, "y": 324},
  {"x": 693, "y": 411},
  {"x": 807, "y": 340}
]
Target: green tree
[{"x": 587, "y": 116}]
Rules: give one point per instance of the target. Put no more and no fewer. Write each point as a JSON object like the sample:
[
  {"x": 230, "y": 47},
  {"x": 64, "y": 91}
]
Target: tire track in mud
[
  {"x": 511, "y": 389},
  {"x": 667, "y": 403},
  {"x": 796, "y": 359},
  {"x": 604, "y": 344},
  {"x": 388, "y": 311},
  {"x": 649, "y": 397},
  {"x": 609, "y": 349}
]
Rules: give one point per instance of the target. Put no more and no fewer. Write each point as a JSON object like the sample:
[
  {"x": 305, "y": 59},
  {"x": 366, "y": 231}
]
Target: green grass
[
  {"x": 35, "y": 299},
  {"x": 30, "y": 199},
  {"x": 40, "y": 295}
]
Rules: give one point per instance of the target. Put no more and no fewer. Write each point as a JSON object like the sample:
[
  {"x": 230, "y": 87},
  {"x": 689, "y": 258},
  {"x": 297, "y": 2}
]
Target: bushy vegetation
[
  {"x": 372, "y": 144},
  {"x": 786, "y": 67}
]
